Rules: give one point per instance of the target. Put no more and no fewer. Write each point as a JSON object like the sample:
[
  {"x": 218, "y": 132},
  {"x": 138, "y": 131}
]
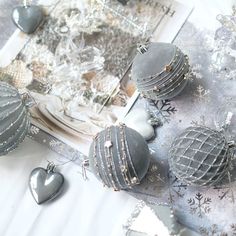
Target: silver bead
[{"x": 108, "y": 144}]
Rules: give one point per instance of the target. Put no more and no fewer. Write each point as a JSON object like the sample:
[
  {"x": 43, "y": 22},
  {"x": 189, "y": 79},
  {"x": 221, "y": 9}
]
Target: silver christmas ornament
[
  {"x": 14, "y": 121},
  {"x": 119, "y": 156},
  {"x": 200, "y": 156},
  {"x": 159, "y": 71},
  {"x": 27, "y": 17},
  {"x": 45, "y": 184}
]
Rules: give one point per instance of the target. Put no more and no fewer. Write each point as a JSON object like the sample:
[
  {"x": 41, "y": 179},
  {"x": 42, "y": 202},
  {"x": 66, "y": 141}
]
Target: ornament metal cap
[{"x": 142, "y": 48}]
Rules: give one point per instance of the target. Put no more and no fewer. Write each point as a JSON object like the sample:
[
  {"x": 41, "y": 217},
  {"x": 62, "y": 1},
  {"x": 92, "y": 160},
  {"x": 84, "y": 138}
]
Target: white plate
[
  {"x": 42, "y": 108},
  {"x": 82, "y": 126}
]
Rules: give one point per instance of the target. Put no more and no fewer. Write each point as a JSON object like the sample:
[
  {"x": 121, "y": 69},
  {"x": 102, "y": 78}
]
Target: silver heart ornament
[
  {"x": 27, "y": 18},
  {"x": 45, "y": 184}
]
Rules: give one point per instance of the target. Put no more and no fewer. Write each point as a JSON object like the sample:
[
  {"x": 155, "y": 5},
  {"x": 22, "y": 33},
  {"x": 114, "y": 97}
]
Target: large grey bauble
[
  {"x": 14, "y": 122},
  {"x": 200, "y": 156},
  {"x": 27, "y": 18},
  {"x": 160, "y": 71},
  {"x": 119, "y": 156}
]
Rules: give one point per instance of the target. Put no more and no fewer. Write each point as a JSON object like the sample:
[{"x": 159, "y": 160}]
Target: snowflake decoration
[
  {"x": 226, "y": 192},
  {"x": 34, "y": 130},
  {"x": 153, "y": 175},
  {"x": 202, "y": 94},
  {"x": 162, "y": 109},
  {"x": 199, "y": 205},
  {"x": 54, "y": 143},
  {"x": 212, "y": 69},
  {"x": 215, "y": 231},
  {"x": 195, "y": 72},
  {"x": 177, "y": 187},
  {"x": 233, "y": 228},
  {"x": 201, "y": 122},
  {"x": 212, "y": 231}
]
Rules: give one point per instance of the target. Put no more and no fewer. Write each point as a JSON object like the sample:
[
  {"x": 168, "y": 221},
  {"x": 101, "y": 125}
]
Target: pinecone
[{"x": 200, "y": 156}]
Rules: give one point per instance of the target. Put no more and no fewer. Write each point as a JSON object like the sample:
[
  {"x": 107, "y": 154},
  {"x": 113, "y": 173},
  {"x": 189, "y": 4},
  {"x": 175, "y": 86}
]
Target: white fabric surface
[{"x": 85, "y": 209}]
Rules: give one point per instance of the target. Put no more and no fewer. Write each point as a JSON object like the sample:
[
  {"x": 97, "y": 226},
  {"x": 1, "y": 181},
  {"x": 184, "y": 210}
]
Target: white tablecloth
[{"x": 85, "y": 209}]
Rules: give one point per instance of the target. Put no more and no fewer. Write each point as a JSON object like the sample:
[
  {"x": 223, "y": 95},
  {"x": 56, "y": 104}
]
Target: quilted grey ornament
[
  {"x": 14, "y": 121},
  {"x": 27, "y": 18},
  {"x": 159, "y": 71},
  {"x": 200, "y": 156},
  {"x": 119, "y": 156}
]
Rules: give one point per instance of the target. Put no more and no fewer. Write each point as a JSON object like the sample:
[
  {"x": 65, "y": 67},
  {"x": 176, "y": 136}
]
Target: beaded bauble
[
  {"x": 159, "y": 71},
  {"x": 200, "y": 156},
  {"x": 119, "y": 156},
  {"x": 14, "y": 122}
]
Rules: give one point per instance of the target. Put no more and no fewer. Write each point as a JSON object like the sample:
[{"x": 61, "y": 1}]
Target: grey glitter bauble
[
  {"x": 159, "y": 71},
  {"x": 119, "y": 156},
  {"x": 200, "y": 156},
  {"x": 14, "y": 122}
]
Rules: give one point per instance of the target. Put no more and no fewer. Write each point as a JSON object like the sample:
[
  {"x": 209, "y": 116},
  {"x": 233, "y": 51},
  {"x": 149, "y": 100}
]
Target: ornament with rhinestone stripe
[
  {"x": 200, "y": 156},
  {"x": 119, "y": 157},
  {"x": 14, "y": 121},
  {"x": 160, "y": 70}
]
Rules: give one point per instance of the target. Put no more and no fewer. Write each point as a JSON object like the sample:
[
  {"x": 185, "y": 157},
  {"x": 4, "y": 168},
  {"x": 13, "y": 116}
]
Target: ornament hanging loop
[
  {"x": 51, "y": 167},
  {"x": 142, "y": 48},
  {"x": 232, "y": 144},
  {"x": 26, "y": 3},
  {"x": 85, "y": 164}
]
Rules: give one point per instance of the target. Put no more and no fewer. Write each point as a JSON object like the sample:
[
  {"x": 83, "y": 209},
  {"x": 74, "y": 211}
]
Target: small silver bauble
[
  {"x": 200, "y": 156},
  {"x": 14, "y": 121},
  {"x": 159, "y": 71},
  {"x": 119, "y": 156}
]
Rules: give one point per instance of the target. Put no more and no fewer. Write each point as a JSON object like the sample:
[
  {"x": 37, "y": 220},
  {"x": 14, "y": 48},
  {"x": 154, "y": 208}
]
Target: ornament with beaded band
[
  {"x": 119, "y": 156},
  {"x": 200, "y": 156},
  {"x": 159, "y": 71},
  {"x": 14, "y": 121}
]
